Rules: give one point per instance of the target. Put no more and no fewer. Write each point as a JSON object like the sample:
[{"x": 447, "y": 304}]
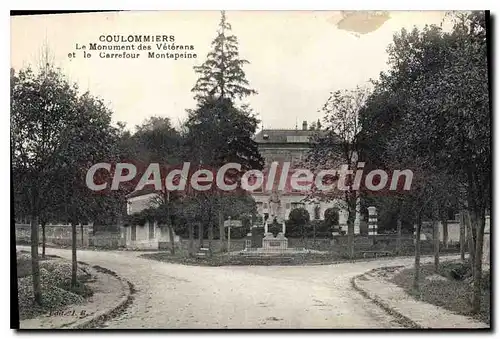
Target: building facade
[
  {"x": 291, "y": 145},
  {"x": 147, "y": 236}
]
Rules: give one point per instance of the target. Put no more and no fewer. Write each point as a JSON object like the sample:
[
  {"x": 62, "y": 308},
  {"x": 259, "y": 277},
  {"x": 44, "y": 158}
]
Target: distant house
[
  {"x": 292, "y": 145},
  {"x": 150, "y": 235}
]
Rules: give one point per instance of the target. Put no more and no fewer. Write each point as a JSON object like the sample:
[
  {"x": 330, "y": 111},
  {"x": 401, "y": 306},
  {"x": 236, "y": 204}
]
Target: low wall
[
  {"x": 316, "y": 244},
  {"x": 62, "y": 235},
  {"x": 143, "y": 244},
  {"x": 382, "y": 242},
  {"x": 55, "y": 234},
  {"x": 378, "y": 242},
  {"x": 338, "y": 243},
  {"x": 236, "y": 244},
  {"x": 107, "y": 240}
]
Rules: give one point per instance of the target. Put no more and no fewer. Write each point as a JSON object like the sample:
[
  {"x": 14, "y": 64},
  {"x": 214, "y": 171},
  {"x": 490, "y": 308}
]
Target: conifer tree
[
  {"x": 222, "y": 75},
  {"x": 220, "y": 130}
]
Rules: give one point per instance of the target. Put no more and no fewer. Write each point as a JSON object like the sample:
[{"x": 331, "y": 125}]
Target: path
[{"x": 176, "y": 296}]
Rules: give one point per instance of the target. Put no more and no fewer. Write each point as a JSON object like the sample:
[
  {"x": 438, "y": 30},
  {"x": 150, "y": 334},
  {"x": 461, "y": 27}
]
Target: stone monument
[{"x": 276, "y": 212}]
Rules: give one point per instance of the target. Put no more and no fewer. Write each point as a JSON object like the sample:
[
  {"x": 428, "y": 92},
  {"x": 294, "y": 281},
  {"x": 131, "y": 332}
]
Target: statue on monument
[{"x": 275, "y": 206}]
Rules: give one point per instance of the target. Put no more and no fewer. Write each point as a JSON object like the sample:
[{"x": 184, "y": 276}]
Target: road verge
[{"x": 410, "y": 312}]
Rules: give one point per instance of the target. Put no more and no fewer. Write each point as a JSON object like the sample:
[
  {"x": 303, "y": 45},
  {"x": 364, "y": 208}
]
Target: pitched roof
[
  {"x": 285, "y": 135},
  {"x": 146, "y": 190}
]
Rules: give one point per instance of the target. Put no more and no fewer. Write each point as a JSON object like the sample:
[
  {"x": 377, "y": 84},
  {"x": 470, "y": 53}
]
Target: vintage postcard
[{"x": 251, "y": 169}]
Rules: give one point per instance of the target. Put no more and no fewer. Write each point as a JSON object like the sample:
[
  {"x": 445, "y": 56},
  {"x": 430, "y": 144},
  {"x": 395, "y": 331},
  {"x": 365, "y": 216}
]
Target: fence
[
  {"x": 107, "y": 240},
  {"x": 61, "y": 235},
  {"x": 236, "y": 244}
]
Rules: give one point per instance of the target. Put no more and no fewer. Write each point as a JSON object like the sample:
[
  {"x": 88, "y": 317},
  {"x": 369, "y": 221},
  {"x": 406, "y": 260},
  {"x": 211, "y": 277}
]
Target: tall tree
[
  {"x": 433, "y": 104},
  {"x": 222, "y": 75},
  {"x": 56, "y": 136},
  {"x": 89, "y": 139},
  {"x": 339, "y": 147},
  {"x": 220, "y": 130},
  {"x": 42, "y": 106},
  {"x": 453, "y": 109},
  {"x": 157, "y": 141}
]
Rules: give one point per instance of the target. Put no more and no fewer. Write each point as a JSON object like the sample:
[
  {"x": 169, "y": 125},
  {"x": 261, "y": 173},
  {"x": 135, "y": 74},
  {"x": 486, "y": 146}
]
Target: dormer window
[{"x": 265, "y": 136}]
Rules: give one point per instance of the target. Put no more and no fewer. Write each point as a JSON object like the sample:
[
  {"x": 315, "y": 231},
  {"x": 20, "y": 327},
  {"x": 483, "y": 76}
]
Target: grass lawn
[
  {"x": 223, "y": 259},
  {"x": 450, "y": 294}
]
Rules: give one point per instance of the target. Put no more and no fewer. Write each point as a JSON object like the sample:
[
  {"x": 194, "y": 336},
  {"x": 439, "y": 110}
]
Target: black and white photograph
[{"x": 237, "y": 169}]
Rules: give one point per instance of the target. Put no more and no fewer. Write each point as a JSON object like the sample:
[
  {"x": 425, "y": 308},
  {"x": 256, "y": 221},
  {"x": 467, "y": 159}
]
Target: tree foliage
[
  {"x": 338, "y": 148},
  {"x": 56, "y": 135},
  {"x": 430, "y": 112},
  {"x": 222, "y": 75}
]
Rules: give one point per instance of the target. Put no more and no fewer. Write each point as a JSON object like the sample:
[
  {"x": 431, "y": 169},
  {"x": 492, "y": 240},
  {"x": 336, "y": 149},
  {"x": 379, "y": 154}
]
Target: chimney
[{"x": 304, "y": 125}]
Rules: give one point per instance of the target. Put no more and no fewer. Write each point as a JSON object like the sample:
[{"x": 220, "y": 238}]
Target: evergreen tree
[
  {"x": 219, "y": 130},
  {"x": 222, "y": 75}
]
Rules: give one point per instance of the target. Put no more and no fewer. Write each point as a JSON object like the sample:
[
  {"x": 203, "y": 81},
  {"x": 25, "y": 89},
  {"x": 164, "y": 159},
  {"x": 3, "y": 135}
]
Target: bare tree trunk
[
  {"x": 350, "y": 239},
  {"x": 43, "y": 239},
  {"x": 417, "y": 253},
  {"x": 304, "y": 228},
  {"x": 172, "y": 239},
  {"x": 200, "y": 234},
  {"x": 73, "y": 254},
  {"x": 81, "y": 231},
  {"x": 435, "y": 234},
  {"x": 470, "y": 240},
  {"x": 436, "y": 245},
  {"x": 350, "y": 229},
  {"x": 169, "y": 222},
  {"x": 210, "y": 237},
  {"x": 35, "y": 266},
  {"x": 478, "y": 264},
  {"x": 314, "y": 235},
  {"x": 462, "y": 235},
  {"x": 445, "y": 232},
  {"x": 222, "y": 235},
  {"x": 398, "y": 239},
  {"x": 191, "y": 239}
]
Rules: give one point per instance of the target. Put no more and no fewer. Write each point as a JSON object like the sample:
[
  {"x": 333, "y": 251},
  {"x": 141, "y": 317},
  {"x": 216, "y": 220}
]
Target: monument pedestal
[
  {"x": 271, "y": 243},
  {"x": 257, "y": 234}
]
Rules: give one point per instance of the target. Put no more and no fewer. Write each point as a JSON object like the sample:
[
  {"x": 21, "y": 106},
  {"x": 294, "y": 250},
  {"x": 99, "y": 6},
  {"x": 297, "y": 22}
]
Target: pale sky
[{"x": 296, "y": 58}]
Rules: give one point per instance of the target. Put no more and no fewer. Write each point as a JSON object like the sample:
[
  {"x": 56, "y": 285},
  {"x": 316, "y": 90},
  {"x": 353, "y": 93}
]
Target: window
[
  {"x": 151, "y": 230},
  {"x": 133, "y": 232},
  {"x": 297, "y": 138}
]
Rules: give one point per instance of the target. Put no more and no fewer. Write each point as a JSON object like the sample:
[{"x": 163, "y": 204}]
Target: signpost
[{"x": 231, "y": 223}]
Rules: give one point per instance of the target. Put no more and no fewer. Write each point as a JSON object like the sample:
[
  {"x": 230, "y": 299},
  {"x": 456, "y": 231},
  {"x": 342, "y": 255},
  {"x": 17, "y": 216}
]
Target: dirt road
[{"x": 175, "y": 296}]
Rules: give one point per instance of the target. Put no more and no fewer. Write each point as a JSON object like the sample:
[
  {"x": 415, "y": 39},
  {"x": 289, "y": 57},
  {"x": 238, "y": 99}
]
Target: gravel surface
[{"x": 176, "y": 296}]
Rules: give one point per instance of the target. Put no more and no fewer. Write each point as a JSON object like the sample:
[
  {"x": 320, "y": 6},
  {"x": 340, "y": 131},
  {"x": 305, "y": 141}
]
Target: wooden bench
[{"x": 377, "y": 253}]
